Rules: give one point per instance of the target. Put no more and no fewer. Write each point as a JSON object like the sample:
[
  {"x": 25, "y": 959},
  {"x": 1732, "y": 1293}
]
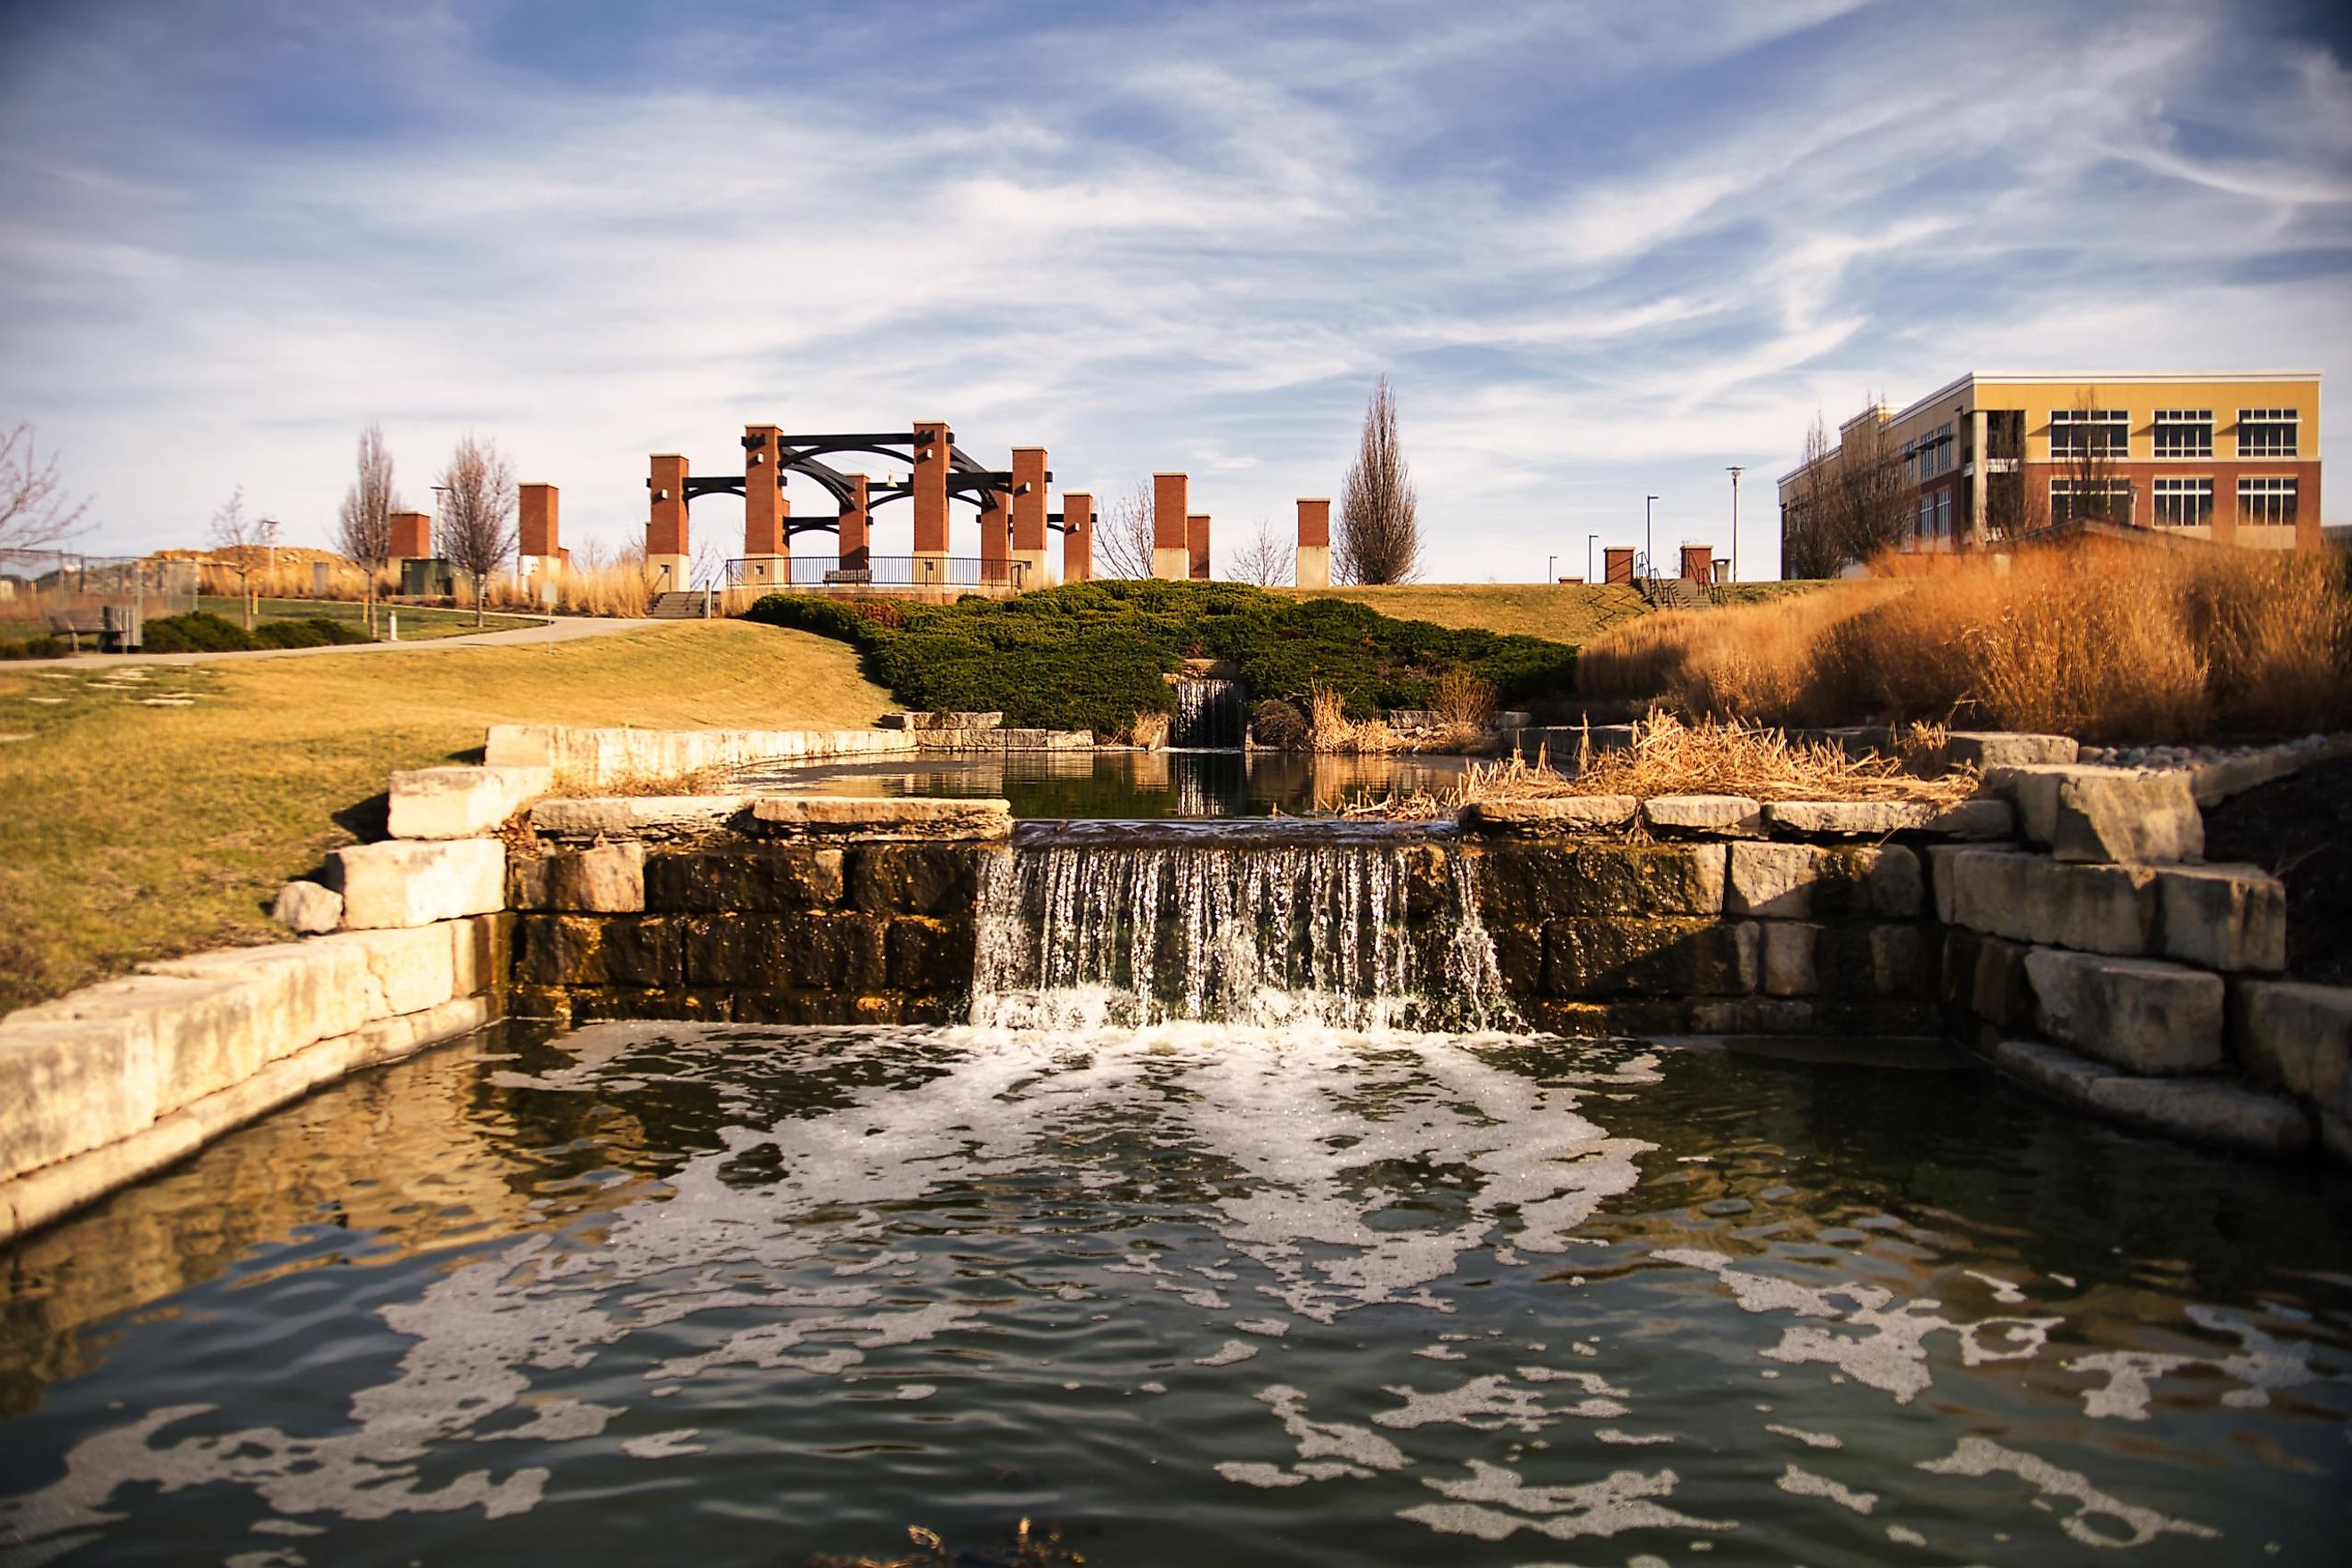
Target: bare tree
[
  {"x": 364, "y": 529},
  {"x": 1875, "y": 508},
  {"x": 1123, "y": 535},
  {"x": 1380, "y": 535},
  {"x": 1266, "y": 559},
  {"x": 1807, "y": 547},
  {"x": 35, "y": 512},
  {"x": 477, "y": 513},
  {"x": 2085, "y": 487},
  {"x": 237, "y": 539}
]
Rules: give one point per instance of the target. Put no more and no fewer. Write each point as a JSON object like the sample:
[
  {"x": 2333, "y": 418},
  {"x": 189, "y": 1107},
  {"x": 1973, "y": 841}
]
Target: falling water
[
  {"x": 1208, "y": 713},
  {"x": 1354, "y": 930}
]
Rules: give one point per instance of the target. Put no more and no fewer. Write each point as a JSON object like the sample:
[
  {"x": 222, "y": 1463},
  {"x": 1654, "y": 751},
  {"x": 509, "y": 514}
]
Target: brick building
[{"x": 2234, "y": 459}]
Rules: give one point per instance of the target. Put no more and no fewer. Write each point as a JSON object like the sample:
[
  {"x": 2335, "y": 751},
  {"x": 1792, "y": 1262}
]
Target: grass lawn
[
  {"x": 152, "y": 815},
  {"x": 417, "y": 624},
  {"x": 1571, "y": 612}
]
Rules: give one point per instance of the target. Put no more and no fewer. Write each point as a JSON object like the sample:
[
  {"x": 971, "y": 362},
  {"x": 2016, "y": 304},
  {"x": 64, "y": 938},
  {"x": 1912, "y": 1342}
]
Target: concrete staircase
[
  {"x": 1674, "y": 593},
  {"x": 684, "y": 604}
]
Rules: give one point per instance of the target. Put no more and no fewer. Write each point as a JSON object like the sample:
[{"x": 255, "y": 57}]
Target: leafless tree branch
[
  {"x": 1123, "y": 535},
  {"x": 477, "y": 513},
  {"x": 363, "y": 527},
  {"x": 1266, "y": 559},
  {"x": 34, "y": 511},
  {"x": 1380, "y": 535}
]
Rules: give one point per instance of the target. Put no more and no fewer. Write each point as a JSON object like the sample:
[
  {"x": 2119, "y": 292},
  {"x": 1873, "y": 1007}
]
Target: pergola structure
[{"x": 1011, "y": 504}]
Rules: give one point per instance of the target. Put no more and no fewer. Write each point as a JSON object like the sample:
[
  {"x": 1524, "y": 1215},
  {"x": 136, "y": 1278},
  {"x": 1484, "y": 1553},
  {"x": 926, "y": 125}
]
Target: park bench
[{"x": 76, "y": 625}]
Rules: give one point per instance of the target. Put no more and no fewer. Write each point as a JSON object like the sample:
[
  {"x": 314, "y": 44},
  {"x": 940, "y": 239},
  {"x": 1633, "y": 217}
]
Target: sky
[{"x": 1601, "y": 251}]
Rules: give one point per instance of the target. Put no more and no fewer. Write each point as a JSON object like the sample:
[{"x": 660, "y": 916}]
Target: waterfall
[
  {"x": 1208, "y": 713},
  {"x": 1135, "y": 926}
]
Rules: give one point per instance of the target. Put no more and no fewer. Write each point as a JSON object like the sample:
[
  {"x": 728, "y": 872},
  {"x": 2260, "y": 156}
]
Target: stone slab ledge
[
  {"x": 868, "y": 818},
  {"x": 2200, "y": 1110}
]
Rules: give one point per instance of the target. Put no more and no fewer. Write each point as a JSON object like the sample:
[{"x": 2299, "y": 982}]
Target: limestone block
[
  {"x": 2294, "y": 1036},
  {"x": 206, "y": 1033},
  {"x": 304, "y": 991},
  {"x": 1528, "y": 883},
  {"x": 1722, "y": 816},
  {"x": 1895, "y": 956},
  {"x": 1989, "y": 749},
  {"x": 1659, "y": 958},
  {"x": 607, "y": 880},
  {"x": 1789, "y": 958},
  {"x": 637, "y": 817},
  {"x": 308, "y": 907},
  {"x": 870, "y": 818},
  {"x": 480, "y": 954},
  {"x": 2204, "y": 1111},
  {"x": 757, "y": 879},
  {"x": 412, "y": 882},
  {"x": 1981, "y": 818},
  {"x": 1799, "y": 882},
  {"x": 913, "y": 879},
  {"x": 2123, "y": 814},
  {"x": 518, "y": 745},
  {"x": 1558, "y": 815},
  {"x": 1879, "y": 818},
  {"x": 462, "y": 803},
  {"x": 2141, "y": 1014},
  {"x": 2053, "y": 1069},
  {"x": 71, "y": 1084},
  {"x": 2231, "y": 918},
  {"x": 407, "y": 968},
  {"x": 2028, "y": 898}
]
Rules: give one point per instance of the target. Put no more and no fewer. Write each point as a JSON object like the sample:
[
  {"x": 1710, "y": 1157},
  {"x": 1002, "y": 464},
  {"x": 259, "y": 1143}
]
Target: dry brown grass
[
  {"x": 2100, "y": 640},
  {"x": 1671, "y": 757},
  {"x": 1330, "y": 730},
  {"x": 1150, "y": 730}
]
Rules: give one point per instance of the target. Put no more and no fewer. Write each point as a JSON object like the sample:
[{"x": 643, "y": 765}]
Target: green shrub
[
  {"x": 200, "y": 631},
  {"x": 311, "y": 631},
  {"x": 1091, "y": 656},
  {"x": 36, "y": 648}
]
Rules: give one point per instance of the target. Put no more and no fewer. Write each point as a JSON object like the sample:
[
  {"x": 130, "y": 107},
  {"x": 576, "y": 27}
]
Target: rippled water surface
[{"x": 1198, "y": 1294}]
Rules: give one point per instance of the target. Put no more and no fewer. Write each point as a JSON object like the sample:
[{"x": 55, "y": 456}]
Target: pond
[
  {"x": 1130, "y": 784},
  {"x": 1184, "y": 1293}
]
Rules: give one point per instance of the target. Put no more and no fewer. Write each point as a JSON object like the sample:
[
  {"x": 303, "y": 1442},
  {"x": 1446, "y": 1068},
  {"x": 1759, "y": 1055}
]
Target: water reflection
[
  {"x": 1203, "y": 1291},
  {"x": 1119, "y": 783}
]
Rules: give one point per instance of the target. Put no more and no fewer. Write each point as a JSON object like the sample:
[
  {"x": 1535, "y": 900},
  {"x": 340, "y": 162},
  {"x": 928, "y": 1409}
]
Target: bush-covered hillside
[{"x": 1090, "y": 656}]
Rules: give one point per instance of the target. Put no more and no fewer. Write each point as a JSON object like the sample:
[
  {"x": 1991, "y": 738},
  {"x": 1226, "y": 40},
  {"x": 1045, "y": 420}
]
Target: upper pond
[
  {"x": 1125, "y": 784},
  {"x": 1191, "y": 1293}
]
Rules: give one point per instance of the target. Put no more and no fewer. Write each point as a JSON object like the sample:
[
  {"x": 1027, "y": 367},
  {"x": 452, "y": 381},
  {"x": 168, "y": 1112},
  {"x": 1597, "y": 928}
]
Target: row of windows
[
  {"x": 2179, "y": 502},
  {"x": 2178, "y": 432},
  {"x": 1931, "y": 455},
  {"x": 1935, "y": 522}
]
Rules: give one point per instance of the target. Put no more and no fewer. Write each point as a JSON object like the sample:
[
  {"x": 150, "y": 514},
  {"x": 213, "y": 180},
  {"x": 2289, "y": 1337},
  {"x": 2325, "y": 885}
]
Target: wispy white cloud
[{"x": 1603, "y": 250}]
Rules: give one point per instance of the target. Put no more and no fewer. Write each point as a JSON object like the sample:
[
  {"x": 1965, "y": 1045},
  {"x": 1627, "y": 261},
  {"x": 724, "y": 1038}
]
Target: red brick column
[
  {"x": 1698, "y": 563},
  {"x": 1029, "y": 514},
  {"x": 856, "y": 528},
  {"x": 668, "y": 560},
  {"x": 1171, "y": 557},
  {"x": 1617, "y": 564},
  {"x": 996, "y": 537},
  {"x": 412, "y": 536},
  {"x": 1196, "y": 546},
  {"x": 540, "y": 555},
  {"x": 931, "y": 503},
  {"x": 1077, "y": 536},
  {"x": 1313, "y": 566},
  {"x": 764, "y": 507}
]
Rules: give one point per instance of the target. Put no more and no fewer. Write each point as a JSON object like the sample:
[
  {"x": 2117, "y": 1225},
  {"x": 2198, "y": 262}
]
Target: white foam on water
[
  {"x": 1810, "y": 1439},
  {"x": 1227, "y": 1354},
  {"x": 1981, "y": 1457},
  {"x": 1633, "y": 1440},
  {"x": 1798, "y": 1482},
  {"x": 1483, "y": 1404},
  {"x": 1902, "y": 1537},
  {"x": 664, "y": 1445},
  {"x": 1622, "y": 1500}
]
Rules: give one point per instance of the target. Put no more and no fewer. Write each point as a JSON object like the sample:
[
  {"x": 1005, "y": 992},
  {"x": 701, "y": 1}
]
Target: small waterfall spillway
[
  {"x": 1208, "y": 713},
  {"x": 1086, "y": 925}
]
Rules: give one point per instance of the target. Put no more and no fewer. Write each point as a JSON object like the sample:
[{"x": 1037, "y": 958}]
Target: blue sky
[{"x": 1601, "y": 250}]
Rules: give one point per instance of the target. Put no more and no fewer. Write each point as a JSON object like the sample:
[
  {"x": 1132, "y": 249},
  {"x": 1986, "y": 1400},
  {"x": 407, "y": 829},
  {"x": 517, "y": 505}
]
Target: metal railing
[{"x": 852, "y": 573}]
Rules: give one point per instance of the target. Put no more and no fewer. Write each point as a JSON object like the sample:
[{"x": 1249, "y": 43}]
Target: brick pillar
[
  {"x": 1314, "y": 563},
  {"x": 1698, "y": 563},
  {"x": 668, "y": 563},
  {"x": 767, "y": 555},
  {"x": 856, "y": 528},
  {"x": 2306, "y": 507},
  {"x": 931, "y": 503},
  {"x": 1029, "y": 515},
  {"x": 1617, "y": 564},
  {"x": 412, "y": 536},
  {"x": 540, "y": 555},
  {"x": 1196, "y": 546},
  {"x": 1077, "y": 537},
  {"x": 1171, "y": 557},
  {"x": 996, "y": 538}
]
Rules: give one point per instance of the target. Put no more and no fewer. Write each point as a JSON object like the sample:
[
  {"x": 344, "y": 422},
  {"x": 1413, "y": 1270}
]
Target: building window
[
  {"x": 2266, "y": 501},
  {"x": 2267, "y": 432},
  {"x": 1944, "y": 515},
  {"x": 1930, "y": 455},
  {"x": 2090, "y": 500},
  {"x": 2089, "y": 433},
  {"x": 2184, "y": 503},
  {"x": 2184, "y": 432}
]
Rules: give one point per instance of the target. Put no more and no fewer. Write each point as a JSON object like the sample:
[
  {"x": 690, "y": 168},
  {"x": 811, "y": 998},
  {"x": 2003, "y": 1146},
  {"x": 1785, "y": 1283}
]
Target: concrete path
[{"x": 561, "y": 628}]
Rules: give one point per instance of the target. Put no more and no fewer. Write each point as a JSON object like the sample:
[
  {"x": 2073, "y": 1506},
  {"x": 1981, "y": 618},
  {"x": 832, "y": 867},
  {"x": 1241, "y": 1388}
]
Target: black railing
[{"x": 850, "y": 573}]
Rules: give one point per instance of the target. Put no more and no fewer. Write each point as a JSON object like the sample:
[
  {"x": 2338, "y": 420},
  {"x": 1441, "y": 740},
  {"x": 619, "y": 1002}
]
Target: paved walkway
[{"x": 562, "y": 628}]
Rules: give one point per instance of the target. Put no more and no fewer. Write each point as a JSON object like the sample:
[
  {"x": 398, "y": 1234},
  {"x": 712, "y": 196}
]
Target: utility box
[{"x": 427, "y": 577}]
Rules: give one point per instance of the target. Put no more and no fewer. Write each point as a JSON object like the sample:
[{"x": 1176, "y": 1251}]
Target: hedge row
[
  {"x": 1090, "y": 656},
  {"x": 204, "y": 632}
]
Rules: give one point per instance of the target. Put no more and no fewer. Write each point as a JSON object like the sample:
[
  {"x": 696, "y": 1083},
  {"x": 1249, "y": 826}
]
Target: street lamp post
[
  {"x": 1551, "y": 567},
  {"x": 1735, "y": 522},
  {"x": 1590, "y": 539},
  {"x": 1649, "y": 546}
]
